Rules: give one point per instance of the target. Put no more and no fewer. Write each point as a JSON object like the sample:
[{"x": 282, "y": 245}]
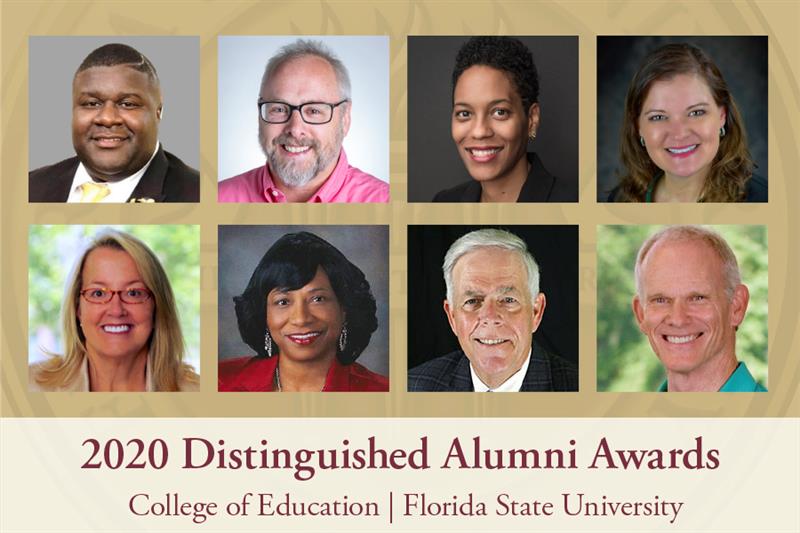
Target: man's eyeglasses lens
[
  {"x": 136, "y": 295},
  {"x": 311, "y": 112}
]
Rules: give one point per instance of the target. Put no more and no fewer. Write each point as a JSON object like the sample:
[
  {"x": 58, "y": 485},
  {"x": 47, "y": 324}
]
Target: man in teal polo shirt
[{"x": 689, "y": 302}]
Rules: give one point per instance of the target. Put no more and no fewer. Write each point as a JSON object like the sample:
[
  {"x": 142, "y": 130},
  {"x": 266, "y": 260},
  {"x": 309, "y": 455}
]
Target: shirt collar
[
  {"x": 338, "y": 378},
  {"x": 120, "y": 190},
  {"x": 651, "y": 189},
  {"x": 325, "y": 194},
  {"x": 740, "y": 380},
  {"x": 512, "y": 384}
]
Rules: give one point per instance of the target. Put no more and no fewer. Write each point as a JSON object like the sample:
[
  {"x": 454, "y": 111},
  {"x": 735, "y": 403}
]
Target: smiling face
[
  {"x": 680, "y": 123},
  {"x": 115, "y": 116},
  {"x": 490, "y": 126},
  {"x": 492, "y": 313},
  {"x": 685, "y": 311},
  {"x": 306, "y": 323},
  {"x": 298, "y": 153},
  {"x": 114, "y": 329}
]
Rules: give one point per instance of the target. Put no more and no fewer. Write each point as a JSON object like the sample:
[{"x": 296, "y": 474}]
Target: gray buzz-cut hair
[
  {"x": 730, "y": 268},
  {"x": 490, "y": 238},
  {"x": 308, "y": 47}
]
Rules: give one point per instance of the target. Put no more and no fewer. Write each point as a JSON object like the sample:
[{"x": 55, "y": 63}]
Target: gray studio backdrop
[
  {"x": 433, "y": 161},
  {"x": 742, "y": 61},
  {"x": 242, "y": 247},
  {"x": 241, "y": 61},
  {"x": 53, "y": 62}
]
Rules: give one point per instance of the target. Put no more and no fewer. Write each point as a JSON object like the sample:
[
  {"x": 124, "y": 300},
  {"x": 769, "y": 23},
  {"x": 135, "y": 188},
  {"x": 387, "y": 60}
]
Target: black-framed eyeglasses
[
  {"x": 101, "y": 295},
  {"x": 311, "y": 112}
]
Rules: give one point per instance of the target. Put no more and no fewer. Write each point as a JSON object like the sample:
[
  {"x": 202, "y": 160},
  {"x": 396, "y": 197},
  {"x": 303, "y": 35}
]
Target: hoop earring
[
  {"x": 343, "y": 338},
  {"x": 722, "y": 132},
  {"x": 641, "y": 141},
  {"x": 268, "y": 343}
]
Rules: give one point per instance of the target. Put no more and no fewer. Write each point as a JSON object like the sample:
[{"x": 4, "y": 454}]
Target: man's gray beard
[{"x": 296, "y": 174}]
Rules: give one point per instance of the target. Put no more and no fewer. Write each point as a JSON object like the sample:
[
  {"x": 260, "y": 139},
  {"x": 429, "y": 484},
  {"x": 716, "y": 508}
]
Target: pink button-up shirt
[{"x": 345, "y": 184}]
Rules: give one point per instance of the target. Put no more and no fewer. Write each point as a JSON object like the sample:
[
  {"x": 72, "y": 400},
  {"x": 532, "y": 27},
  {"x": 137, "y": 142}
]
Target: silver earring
[
  {"x": 641, "y": 141},
  {"x": 343, "y": 338},
  {"x": 268, "y": 344},
  {"x": 722, "y": 132},
  {"x": 532, "y": 135}
]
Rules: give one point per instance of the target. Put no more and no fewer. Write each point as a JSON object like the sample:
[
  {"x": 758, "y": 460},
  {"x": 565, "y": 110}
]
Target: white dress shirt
[
  {"x": 512, "y": 384},
  {"x": 120, "y": 190}
]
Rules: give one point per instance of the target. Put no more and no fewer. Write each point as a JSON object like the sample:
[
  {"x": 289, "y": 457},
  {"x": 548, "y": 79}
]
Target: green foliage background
[
  {"x": 53, "y": 251},
  {"x": 625, "y": 361}
]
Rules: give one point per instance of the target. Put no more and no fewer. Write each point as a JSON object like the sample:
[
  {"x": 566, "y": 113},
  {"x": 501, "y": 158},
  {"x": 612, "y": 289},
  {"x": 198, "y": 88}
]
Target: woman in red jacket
[{"x": 308, "y": 312}]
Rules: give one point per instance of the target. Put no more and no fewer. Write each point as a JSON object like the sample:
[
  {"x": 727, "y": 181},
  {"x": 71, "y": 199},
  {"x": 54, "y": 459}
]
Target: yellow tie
[{"x": 94, "y": 192}]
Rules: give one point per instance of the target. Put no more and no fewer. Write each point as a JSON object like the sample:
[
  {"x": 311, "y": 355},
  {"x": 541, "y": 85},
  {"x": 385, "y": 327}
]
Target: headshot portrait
[
  {"x": 303, "y": 308},
  {"x": 492, "y": 309},
  {"x": 114, "y": 308},
  {"x": 132, "y": 106},
  {"x": 682, "y": 308},
  {"x": 303, "y": 119},
  {"x": 682, "y": 119},
  {"x": 492, "y": 119}
]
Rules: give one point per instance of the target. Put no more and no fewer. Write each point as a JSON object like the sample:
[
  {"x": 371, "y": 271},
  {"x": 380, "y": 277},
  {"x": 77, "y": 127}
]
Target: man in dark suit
[
  {"x": 117, "y": 107},
  {"x": 493, "y": 306}
]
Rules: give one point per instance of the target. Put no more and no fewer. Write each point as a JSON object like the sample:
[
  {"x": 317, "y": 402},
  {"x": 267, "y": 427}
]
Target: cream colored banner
[{"x": 429, "y": 474}]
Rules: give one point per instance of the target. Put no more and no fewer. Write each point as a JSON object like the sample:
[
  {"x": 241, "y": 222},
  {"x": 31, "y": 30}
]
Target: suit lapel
[
  {"x": 539, "y": 184},
  {"x": 462, "y": 379},
  {"x": 472, "y": 192},
  {"x": 55, "y": 188},
  {"x": 537, "y": 378},
  {"x": 151, "y": 186}
]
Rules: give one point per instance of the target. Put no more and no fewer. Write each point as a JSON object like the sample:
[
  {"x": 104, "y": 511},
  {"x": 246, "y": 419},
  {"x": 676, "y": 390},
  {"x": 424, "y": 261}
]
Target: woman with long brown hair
[{"x": 683, "y": 139}]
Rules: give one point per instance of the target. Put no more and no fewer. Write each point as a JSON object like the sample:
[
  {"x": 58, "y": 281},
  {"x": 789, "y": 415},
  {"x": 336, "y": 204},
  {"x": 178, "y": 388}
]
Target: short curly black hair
[
  {"x": 507, "y": 54},
  {"x": 290, "y": 264},
  {"x": 113, "y": 54}
]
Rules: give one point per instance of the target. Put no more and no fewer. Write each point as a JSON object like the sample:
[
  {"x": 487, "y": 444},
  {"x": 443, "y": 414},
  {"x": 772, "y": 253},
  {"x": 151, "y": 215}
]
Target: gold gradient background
[{"x": 778, "y": 20}]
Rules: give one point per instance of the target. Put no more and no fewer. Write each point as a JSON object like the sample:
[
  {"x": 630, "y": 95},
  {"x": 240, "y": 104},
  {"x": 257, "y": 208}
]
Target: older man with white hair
[{"x": 493, "y": 306}]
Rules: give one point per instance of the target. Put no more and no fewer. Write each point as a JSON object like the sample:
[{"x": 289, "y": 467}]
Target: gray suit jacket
[{"x": 546, "y": 372}]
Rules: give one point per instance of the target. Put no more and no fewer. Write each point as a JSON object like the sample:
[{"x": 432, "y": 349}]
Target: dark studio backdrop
[
  {"x": 555, "y": 249},
  {"x": 242, "y": 247},
  {"x": 433, "y": 160},
  {"x": 742, "y": 61}
]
